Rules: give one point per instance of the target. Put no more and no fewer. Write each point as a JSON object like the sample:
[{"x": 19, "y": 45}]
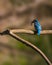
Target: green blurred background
[
  {"x": 13, "y": 52},
  {"x": 21, "y": 54}
]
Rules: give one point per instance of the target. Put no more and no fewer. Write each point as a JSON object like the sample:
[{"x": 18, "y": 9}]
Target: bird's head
[{"x": 34, "y": 21}]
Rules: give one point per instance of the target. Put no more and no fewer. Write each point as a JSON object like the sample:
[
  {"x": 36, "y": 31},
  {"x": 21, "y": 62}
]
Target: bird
[{"x": 37, "y": 26}]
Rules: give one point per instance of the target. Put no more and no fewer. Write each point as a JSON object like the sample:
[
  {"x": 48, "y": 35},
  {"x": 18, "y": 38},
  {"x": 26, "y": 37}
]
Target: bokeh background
[{"x": 19, "y": 14}]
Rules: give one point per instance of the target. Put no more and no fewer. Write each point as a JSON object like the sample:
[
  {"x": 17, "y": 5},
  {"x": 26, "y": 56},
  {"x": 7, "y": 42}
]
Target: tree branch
[
  {"x": 11, "y": 33},
  {"x": 30, "y": 45},
  {"x": 43, "y": 32}
]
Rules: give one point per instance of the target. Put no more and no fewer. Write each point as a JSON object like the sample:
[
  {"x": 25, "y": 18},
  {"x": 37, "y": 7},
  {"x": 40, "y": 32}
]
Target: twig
[
  {"x": 31, "y": 45},
  {"x": 43, "y": 32}
]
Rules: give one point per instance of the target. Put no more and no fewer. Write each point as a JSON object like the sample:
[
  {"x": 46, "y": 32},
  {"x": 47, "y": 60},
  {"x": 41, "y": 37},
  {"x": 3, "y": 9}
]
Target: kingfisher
[{"x": 37, "y": 26}]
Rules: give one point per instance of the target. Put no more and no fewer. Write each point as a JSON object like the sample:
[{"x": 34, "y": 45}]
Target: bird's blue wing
[
  {"x": 38, "y": 32},
  {"x": 38, "y": 27}
]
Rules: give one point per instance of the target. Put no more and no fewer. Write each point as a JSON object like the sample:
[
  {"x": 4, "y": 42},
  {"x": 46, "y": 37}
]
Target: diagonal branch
[
  {"x": 30, "y": 45},
  {"x": 11, "y": 33}
]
